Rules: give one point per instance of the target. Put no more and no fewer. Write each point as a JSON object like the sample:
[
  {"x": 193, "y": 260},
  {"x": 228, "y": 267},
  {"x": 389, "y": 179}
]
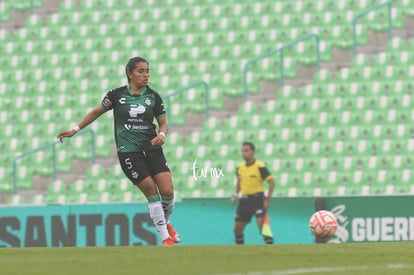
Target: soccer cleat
[
  {"x": 173, "y": 234},
  {"x": 168, "y": 242}
]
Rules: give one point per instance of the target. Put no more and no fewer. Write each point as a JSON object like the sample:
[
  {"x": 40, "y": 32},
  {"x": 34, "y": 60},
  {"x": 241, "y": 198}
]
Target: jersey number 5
[{"x": 128, "y": 163}]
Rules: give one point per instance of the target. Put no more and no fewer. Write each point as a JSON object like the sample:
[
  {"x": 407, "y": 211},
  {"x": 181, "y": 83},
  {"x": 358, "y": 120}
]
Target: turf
[{"x": 363, "y": 258}]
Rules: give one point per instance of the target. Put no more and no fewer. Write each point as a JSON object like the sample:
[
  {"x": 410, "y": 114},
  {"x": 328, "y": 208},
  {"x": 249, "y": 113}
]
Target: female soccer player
[{"x": 139, "y": 145}]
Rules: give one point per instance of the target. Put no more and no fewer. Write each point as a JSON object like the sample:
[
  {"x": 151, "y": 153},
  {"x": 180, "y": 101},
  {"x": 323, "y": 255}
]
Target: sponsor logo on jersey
[
  {"x": 135, "y": 120},
  {"x": 122, "y": 100},
  {"x": 136, "y": 110},
  {"x": 135, "y": 127}
]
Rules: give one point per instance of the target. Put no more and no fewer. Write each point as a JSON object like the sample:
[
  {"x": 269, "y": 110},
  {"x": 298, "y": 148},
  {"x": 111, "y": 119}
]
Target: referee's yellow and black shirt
[{"x": 252, "y": 177}]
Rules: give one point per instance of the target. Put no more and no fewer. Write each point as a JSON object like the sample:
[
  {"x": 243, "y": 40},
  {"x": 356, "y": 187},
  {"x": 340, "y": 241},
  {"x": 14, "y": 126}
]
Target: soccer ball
[{"x": 323, "y": 224}]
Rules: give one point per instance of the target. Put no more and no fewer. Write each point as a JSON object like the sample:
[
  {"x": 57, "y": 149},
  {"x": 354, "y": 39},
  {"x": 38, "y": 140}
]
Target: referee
[{"x": 251, "y": 175}]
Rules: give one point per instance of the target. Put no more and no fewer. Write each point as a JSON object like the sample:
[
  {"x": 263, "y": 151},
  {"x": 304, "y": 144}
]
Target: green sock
[
  {"x": 168, "y": 206},
  {"x": 154, "y": 198}
]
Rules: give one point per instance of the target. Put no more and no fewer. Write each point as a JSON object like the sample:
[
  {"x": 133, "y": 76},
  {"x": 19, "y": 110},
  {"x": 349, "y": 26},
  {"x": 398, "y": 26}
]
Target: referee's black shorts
[
  {"x": 139, "y": 165},
  {"x": 250, "y": 205}
]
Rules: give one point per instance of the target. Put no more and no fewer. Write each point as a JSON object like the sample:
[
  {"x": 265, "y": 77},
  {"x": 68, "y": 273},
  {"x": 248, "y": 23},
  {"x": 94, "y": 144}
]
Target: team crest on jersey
[{"x": 147, "y": 101}]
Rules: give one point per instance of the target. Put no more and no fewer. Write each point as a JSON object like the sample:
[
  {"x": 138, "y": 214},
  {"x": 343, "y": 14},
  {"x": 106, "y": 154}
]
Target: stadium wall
[{"x": 203, "y": 222}]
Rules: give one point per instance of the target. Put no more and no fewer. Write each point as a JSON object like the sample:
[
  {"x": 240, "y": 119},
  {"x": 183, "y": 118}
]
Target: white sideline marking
[
  {"x": 333, "y": 269},
  {"x": 320, "y": 270},
  {"x": 397, "y": 266}
]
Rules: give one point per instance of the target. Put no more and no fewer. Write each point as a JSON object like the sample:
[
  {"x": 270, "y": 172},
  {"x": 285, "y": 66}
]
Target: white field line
[{"x": 321, "y": 270}]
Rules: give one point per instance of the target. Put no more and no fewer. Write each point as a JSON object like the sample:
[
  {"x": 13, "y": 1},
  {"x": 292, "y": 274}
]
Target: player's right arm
[{"x": 88, "y": 119}]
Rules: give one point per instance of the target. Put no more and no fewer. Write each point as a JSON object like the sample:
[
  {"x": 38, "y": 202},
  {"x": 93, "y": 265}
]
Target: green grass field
[{"x": 373, "y": 258}]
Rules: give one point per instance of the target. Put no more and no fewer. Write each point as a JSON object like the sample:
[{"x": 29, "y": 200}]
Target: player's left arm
[
  {"x": 162, "y": 131},
  {"x": 271, "y": 183},
  {"x": 266, "y": 202},
  {"x": 267, "y": 177},
  {"x": 159, "y": 112}
]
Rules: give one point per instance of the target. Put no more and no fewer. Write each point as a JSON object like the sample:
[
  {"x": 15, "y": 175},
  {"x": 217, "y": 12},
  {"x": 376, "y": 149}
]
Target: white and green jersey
[{"x": 134, "y": 117}]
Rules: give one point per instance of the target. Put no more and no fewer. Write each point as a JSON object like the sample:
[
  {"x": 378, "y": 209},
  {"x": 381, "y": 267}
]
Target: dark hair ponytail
[{"x": 132, "y": 63}]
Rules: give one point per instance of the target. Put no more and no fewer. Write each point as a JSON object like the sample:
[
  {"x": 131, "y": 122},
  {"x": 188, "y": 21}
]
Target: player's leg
[
  {"x": 238, "y": 231},
  {"x": 243, "y": 217},
  {"x": 164, "y": 183},
  {"x": 260, "y": 215},
  {"x": 149, "y": 188},
  {"x": 257, "y": 204},
  {"x": 136, "y": 169},
  {"x": 259, "y": 222},
  {"x": 162, "y": 177}
]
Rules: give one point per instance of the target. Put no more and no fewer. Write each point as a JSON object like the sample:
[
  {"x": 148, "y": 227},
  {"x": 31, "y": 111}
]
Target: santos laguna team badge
[{"x": 147, "y": 101}]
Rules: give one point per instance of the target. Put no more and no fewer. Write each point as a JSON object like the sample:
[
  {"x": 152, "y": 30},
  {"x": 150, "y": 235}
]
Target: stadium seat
[
  {"x": 16, "y": 200},
  {"x": 99, "y": 190},
  {"x": 395, "y": 44},
  {"x": 63, "y": 161},
  {"x": 120, "y": 187},
  {"x": 78, "y": 187},
  {"x": 37, "y": 199},
  {"x": 115, "y": 173},
  {"x": 95, "y": 172},
  {"x": 24, "y": 177},
  {"x": 5, "y": 180},
  {"x": 55, "y": 189},
  {"x": 77, "y": 198}
]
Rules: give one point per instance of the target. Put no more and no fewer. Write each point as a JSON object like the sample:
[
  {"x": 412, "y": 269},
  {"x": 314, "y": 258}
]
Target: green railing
[
  {"x": 47, "y": 146},
  {"x": 364, "y": 13},
  {"x": 281, "y": 62},
  {"x": 186, "y": 88}
]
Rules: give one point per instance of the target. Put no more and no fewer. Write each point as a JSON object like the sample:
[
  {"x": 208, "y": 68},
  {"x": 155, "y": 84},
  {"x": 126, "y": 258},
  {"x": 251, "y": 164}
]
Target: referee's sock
[
  {"x": 168, "y": 206},
  {"x": 240, "y": 239},
  {"x": 157, "y": 216}
]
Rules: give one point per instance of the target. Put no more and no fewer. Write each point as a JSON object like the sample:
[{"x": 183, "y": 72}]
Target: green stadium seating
[
  {"x": 99, "y": 190},
  {"x": 78, "y": 198},
  {"x": 24, "y": 177},
  {"x": 358, "y": 112},
  {"x": 5, "y": 179},
  {"x": 56, "y": 189},
  {"x": 78, "y": 188},
  {"x": 38, "y": 199},
  {"x": 16, "y": 200},
  {"x": 95, "y": 172},
  {"x": 119, "y": 187}
]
